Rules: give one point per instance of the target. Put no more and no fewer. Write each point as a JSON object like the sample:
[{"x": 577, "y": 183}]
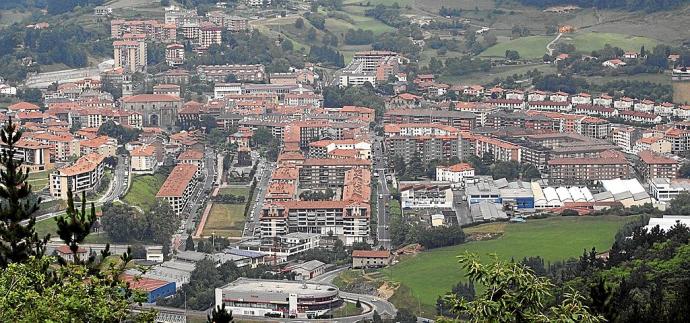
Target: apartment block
[
  {"x": 625, "y": 137},
  {"x": 608, "y": 165},
  {"x": 499, "y": 149},
  {"x": 655, "y": 165},
  {"x": 130, "y": 55},
  {"x": 243, "y": 73},
  {"x": 454, "y": 173},
  {"x": 179, "y": 186},
  {"x": 464, "y": 121},
  {"x": 346, "y": 215},
  {"x": 84, "y": 175},
  {"x": 143, "y": 159},
  {"x": 209, "y": 34}
]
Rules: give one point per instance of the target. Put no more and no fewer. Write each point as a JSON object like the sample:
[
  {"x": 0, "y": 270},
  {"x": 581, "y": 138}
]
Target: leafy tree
[
  {"x": 316, "y": 20},
  {"x": 30, "y": 95},
  {"x": 684, "y": 170},
  {"x": 436, "y": 237},
  {"x": 117, "y": 131},
  {"x": 360, "y": 245},
  {"x": 33, "y": 291},
  {"x": 508, "y": 170},
  {"x": 18, "y": 242},
  {"x": 512, "y": 55},
  {"x": 220, "y": 315},
  {"x": 299, "y": 23},
  {"x": 680, "y": 205},
  {"x": 514, "y": 294},
  {"x": 359, "y": 37},
  {"x": 405, "y": 316},
  {"x": 536, "y": 264}
]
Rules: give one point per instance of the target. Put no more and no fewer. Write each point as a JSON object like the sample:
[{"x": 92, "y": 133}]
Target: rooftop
[
  {"x": 177, "y": 182},
  {"x": 371, "y": 254},
  {"x": 264, "y": 288}
]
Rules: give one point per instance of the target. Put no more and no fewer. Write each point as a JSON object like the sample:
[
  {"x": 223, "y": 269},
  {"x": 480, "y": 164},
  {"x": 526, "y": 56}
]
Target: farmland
[
  {"x": 553, "y": 239},
  {"x": 590, "y": 41},
  {"x": 528, "y": 47}
]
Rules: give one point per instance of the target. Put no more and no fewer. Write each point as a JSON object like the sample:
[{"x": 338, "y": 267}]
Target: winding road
[{"x": 549, "y": 46}]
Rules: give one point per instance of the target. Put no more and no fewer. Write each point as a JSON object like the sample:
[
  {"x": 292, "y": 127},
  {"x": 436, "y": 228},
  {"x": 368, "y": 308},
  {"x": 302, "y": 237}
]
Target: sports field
[
  {"x": 142, "y": 192},
  {"x": 553, "y": 239},
  {"x": 227, "y": 220},
  {"x": 590, "y": 41},
  {"x": 527, "y": 47}
]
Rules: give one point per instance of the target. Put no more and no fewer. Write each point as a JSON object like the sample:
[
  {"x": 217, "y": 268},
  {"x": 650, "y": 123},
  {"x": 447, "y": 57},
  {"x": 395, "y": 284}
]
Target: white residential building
[
  {"x": 454, "y": 173},
  {"x": 83, "y": 175}
]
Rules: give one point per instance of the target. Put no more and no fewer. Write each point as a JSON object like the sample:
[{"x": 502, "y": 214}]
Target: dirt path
[{"x": 549, "y": 46}]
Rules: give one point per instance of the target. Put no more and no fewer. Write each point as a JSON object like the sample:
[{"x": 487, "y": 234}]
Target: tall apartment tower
[{"x": 130, "y": 55}]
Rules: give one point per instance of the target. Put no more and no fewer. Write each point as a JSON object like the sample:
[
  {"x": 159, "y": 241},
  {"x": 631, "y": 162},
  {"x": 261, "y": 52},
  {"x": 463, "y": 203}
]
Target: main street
[
  {"x": 201, "y": 195},
  {"x": 382, "y": 195},
  {"x": 263, "y": 175}
]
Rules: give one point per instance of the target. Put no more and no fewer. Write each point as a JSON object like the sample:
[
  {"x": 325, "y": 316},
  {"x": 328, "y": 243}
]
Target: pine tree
[
  {"x": 189, "y": 244},
  {"x": 76, "y": 225},
  {"x": 220, "y": 315},
  {"x": 18, "y": 240},
  {"x": 376, "y": 318}
]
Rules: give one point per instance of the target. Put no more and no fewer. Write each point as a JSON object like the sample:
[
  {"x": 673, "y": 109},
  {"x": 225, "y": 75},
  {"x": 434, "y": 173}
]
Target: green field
[
  {"x": 528, "y": 47},
  {"x": 588, "y": 42},
  {"x": 237, "y": 191},
  {"x": 497, "y": 72},
  {"x": 553, "y": 239},
  {"x": 48, "y": 226},
  {"x": 38, "y": 180},
  {"x": 373, "y": 3},
  {"x": 142, "y": 191},
  {"x": 227, "y": 220}
]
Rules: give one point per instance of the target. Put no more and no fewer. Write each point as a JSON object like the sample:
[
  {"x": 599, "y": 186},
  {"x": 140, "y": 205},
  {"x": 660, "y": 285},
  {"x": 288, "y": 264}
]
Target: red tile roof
[
  {"x": 145, "y": 98},
  {"x": 178, "y": 180},
  {"x": 371, "y": 254},
  {"x": 23, "y": 106},
  {"x": 191, "y": 154},
  {"x": 649, "y": 158}
]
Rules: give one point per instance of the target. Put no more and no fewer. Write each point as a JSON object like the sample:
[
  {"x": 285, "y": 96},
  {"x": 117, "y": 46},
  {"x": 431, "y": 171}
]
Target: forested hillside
[
  {"x": 53, "y": 6},
  {"x": 646, "y": 5}
]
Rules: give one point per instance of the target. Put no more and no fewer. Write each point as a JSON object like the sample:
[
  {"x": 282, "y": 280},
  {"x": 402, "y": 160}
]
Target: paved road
[
  {"x": 263, "y": 175},
  {"x": 382, "y": 195},
  {"x": 382, "y": 306},
  {"x": 117, "y": 188},
  {"x": 120, "y": 181},
  {"x": 199, "y": 197}
]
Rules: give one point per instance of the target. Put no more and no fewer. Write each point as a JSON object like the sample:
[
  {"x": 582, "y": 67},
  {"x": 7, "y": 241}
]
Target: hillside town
[{"x": 296, "y": 186}]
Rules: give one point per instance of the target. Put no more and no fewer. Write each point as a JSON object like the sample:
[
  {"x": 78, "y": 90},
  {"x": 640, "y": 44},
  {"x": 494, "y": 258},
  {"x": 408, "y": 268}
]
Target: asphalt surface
[
  {"x": 116, "y": 189},
  {"x": 382, "y": 306},
  {"x": 263, "y": 175},
  {"x": 120, "y": 181},
  {"x": 382, "y": 195},
  {"x": 197, "y": 203}
]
